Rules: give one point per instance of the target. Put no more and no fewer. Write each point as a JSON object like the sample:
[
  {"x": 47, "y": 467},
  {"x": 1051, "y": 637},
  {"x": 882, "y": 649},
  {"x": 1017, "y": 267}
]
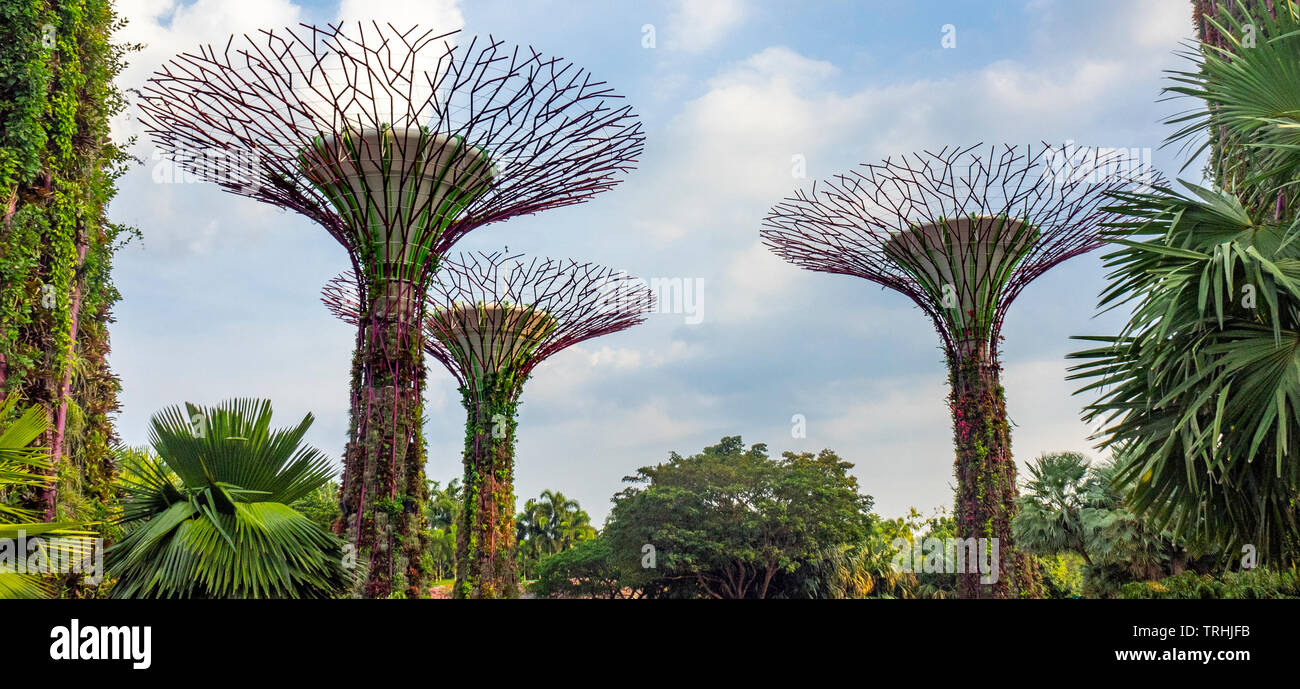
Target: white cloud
[
  {"x": 440, "y": 15},
  {"x": 698, "y": 25}
]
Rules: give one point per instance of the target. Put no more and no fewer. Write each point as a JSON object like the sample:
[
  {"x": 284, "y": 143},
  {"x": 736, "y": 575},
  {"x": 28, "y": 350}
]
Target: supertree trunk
[
  {"x": 385, "y": 486},
  {"x": 986, "y": 475},
  {"x": 485, "y": 542},
  {"x": 492, "y": 319}
]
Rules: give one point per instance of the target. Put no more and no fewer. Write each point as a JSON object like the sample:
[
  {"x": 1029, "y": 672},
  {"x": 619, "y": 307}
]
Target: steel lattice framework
[
  {"x": 961, "y": 232},
  {"x": 398, "y": 143},
  {"x": 1033, "y": 207},
  {"x": 297, "y": 117},
  {"x": 551, "y": 304},
  {"x": 491, "y": 320}
]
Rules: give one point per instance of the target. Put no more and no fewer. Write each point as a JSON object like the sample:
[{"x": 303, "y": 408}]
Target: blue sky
[{"x": 221, "y": 298}]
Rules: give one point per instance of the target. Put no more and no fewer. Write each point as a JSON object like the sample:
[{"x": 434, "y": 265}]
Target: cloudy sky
[{"x": 220, "y": 299}]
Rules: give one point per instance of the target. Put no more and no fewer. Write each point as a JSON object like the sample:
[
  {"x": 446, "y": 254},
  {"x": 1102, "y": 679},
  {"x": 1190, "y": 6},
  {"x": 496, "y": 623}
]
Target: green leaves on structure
[
  {"x": 423, "y": 191},
  {"x": 58, "y": 168}
]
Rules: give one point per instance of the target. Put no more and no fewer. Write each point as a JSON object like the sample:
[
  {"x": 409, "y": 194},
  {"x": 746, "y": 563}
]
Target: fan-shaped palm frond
[
  {"x": 1252, "y": 89},
  {"x": 208, "y": 516},
  {"x": 1200, "y": 392}
]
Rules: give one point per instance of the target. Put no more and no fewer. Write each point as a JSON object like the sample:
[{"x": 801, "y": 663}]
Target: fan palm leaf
[
  {"x": 1199, "y": 393},
  {"x": 207, "y": 514},
  {"x": 1251, "y": 90}
]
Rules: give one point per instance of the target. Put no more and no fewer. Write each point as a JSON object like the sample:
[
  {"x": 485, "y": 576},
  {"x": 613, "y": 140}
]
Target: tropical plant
[
  {"x": 26, "y": 466},
  {"x": 1251, "y": 584},
  {"x": 1069, "y": 506},
  {"x": 443, "y": 512},
  {"x": 1200, "y": 391},
  {"x": 207, "y": 514},
  {"x": 1248, "y": 80},
  {"x": 321, "y": 505}
]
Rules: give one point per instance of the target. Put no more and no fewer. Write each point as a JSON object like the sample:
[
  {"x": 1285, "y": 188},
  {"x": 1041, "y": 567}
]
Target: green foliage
[
  {"x": 1200, "y": 391},
  {"x": 548, "y": 525},
  {"x": 1070, "y": 507},
  {"x": 321, "y": 505},
  {"x": 1062, "y": 575},
  {"x": 1251, "y": 92},
  {"x": 1253, "y": 584},
  {"x": 585, "y": 570},
  {"x": 24, "y": 465},
  {"x": 443, "y": 512},
  {"x": 58, "y": 169},
  {"x": 1201, "y": 388},
  {"x": 208, "y": 517},
  {"x": 724, "y": 523}
]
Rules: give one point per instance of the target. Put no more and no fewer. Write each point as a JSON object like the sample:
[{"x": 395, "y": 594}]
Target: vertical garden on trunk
[{"x": 58, "y": 168}]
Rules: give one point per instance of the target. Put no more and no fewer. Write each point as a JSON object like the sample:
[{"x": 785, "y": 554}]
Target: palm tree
[
  {"x": 1050, "y": 510},
  {"x": 443, "y": 512},
  {"x": 207, "y": 516},
  {"x": 1069, "y": 505},
  {"x": 1200, "y": 391},
  {"x": 23, "y": 465},
  {"x": 548, "y": 525}
]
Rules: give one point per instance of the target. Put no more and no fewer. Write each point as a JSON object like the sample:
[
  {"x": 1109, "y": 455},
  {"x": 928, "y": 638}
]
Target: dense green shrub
[
  {"x": 1257, "y": 583},
  {"x": 586, "y": 570}
]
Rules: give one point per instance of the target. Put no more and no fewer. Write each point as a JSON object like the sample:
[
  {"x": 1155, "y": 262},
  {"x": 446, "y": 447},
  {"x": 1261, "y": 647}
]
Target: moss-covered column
[
  {"x": 986, "y": 474},
  {"x": 485, "y": 542},
  {"x": 384, "y": 491}
]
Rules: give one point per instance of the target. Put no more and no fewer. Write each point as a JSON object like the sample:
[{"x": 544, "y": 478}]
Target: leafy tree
[
  {"x": 443, "y": 511},
  {"x": 724, "y": 523},
  {"x": 1200, "y": 391},
  {"x": 586, "y": 570},
  {"x": 321, "y": 505},
  {"x": 208, "y": 516}
]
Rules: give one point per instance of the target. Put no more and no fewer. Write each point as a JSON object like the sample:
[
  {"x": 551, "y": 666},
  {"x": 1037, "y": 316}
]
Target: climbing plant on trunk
[
  {"x": 58, "y": 168},
  {"x": 491, "y": 320}
]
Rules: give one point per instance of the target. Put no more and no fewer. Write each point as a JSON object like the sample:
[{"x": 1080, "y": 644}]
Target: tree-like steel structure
[
  {"x": 398, "y": 143},
  {"x": 493, "y": 319},
  {"x": 961, "y": 232}
]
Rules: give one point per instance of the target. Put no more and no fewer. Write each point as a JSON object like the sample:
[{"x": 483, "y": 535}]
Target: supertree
[
  {"x": 961, "y": 232},
  {"x": 494, "y": 318},
  {"x": 398, "y": 143}
]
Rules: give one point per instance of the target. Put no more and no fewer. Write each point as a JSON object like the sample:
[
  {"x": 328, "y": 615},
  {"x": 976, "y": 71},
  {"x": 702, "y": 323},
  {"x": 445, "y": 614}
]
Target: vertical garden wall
[{"x": 58, "y": 167}]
